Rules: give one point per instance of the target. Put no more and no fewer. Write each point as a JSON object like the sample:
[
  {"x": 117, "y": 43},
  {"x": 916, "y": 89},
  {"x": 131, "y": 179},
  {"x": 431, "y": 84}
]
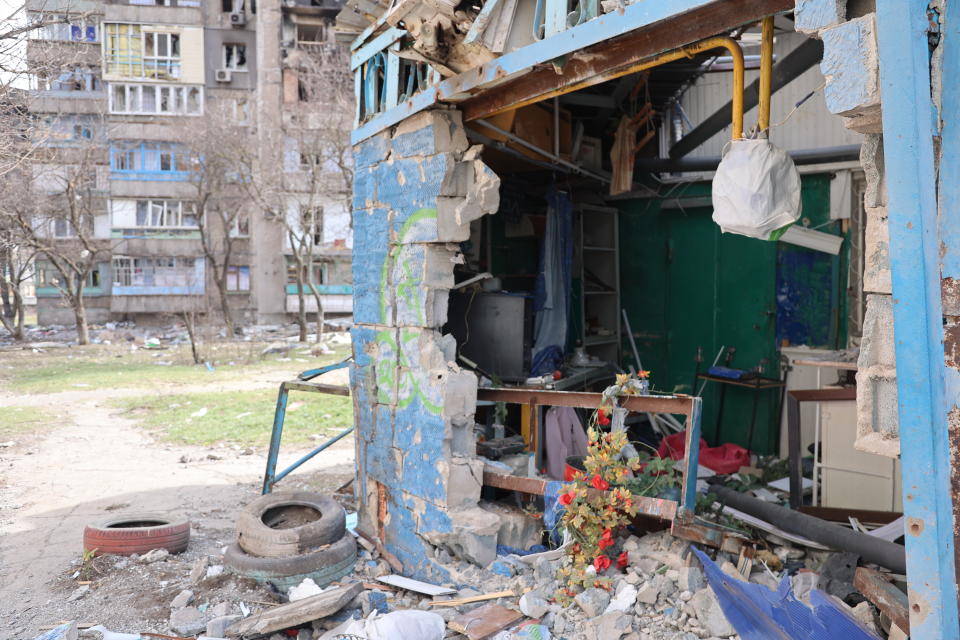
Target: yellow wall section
[{"x": 191, "y": 55}]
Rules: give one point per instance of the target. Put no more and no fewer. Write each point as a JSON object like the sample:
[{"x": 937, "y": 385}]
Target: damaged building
[{"x": 535, "y": 211}]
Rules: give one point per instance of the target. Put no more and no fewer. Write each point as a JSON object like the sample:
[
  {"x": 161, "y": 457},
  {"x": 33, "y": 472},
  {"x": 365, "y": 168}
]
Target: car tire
[
  {"x": 324, "y": 565},
  {"x": 286, "y": 524},
  {"x": 136, "y": 533}
]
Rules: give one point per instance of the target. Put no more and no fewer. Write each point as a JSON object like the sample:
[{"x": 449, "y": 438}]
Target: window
[
  {"x": 235, "y": 57},
  {"x": 78, "y": 79},
  {"x": 241, "y": 227},
  {"x": 311, "y": 33},
  {"x": 311, "y": 224},
  {"x": 236, "y": 6},
  {"x": 165, "y": 214},
  {"x": 82, "y": 132},
  {"x": 65, "y": 27},
  {"x": 318, "y": 271},
  {"x": 240, "y": 111},
  {"x": 135, "y": 52},
  {"x": 46, "y": 277},
  {"x": 63, "y": 229},
  {"x": 310, "y": 161},
  {"x": 148, "y": 161},
  {"x": 161, "y": 54},
  {"x": 153, "y": 272},
  {"x": 155, "y": 99},
  {"x": 238, "y": 278}
]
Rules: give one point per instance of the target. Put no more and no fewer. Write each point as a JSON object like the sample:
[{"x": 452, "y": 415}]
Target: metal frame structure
[
  {"x": 681, "y": 515},
  {"x": 270, "y": 475},
  {"x": 924, "y": 261}
]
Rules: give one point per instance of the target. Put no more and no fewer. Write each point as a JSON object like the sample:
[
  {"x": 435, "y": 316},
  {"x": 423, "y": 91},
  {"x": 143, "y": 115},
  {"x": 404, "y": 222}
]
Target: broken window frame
[
  {"x": 230, "y": 53},
  {"x": 146, "y": 161},
  {"x": 159, "y": 213},
  {"x": 181, "y": 100},
  {"x": 67, "y": 28},
  {"x": 153, "y": 271}
]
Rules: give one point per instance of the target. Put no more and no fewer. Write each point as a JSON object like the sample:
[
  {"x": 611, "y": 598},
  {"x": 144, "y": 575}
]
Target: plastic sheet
[
  {"x": 756, "y": 190},
  {"x": 757, "y": 613}
]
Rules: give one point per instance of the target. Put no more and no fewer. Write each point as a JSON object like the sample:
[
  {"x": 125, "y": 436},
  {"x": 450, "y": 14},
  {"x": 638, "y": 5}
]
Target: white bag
[
  {"x": 756, "y": 189},
  {"x": 407, "y": 624}
]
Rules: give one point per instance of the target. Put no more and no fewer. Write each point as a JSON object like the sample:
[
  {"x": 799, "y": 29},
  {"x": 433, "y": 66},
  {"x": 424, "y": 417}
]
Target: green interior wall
[{"x": 687, "y": 286}]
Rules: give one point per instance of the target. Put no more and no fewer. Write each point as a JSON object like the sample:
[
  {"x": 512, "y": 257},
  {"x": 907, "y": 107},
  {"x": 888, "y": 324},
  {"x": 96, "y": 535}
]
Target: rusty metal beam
[
  {"x": 603, "y": 62},
  {"x": 656, "y": 507},
  {"x": 318, "y": 387},
  {"x": 586, "y": 400},
  {"x": 885, "y": 596}
]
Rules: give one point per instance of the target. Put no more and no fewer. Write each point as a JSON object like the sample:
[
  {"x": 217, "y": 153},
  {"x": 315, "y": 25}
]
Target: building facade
[{"x": 158, "y": 104}]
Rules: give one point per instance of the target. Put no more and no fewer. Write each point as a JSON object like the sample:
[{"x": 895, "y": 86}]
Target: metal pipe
[
  {"x": 283, "y": 474},
  {"x": 766, "y": 73},
  {"x": 872, "y": 549},
  {"x": 718, "y": 42},
  {"x": 709, "y": 163},
  {"x": 546, "y": 154}
]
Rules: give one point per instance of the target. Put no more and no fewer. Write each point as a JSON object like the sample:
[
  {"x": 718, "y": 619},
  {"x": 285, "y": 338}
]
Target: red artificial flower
[
  {"x": 599, "y": 483},
  {"x": 601, "y": 563},
  {"x": 566, "y": 498},
  {"x": 606, "y": 540},
  {"x": 602, "y": 418},
  {"x": 622, "y": 560}
]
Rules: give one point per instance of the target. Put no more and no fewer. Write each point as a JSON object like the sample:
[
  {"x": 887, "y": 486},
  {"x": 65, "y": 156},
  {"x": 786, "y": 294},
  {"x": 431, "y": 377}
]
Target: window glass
[{"x": 149, "y": 98}]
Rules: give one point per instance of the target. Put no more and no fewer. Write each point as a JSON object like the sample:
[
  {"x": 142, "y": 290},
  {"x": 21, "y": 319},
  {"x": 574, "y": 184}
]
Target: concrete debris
[
  {"x": 188, "y": 621},
  {"x": 593, "y": 602},
  {"x": 625, "y": 599},
  {"x": 183, "y": 598},
  {"x": 154, "y": 555},
  {"x": 214, "y": 571},
  {"x": 534, "y": 605},
  {"x": 217, "y": 627},
  {"x": 199, "y": 569},
  {"x": 707, "y": 609},
  {"x": 609, "y": 626},
  {"x": 78, "y": 593},
  {"x": 691, "y": 579}
]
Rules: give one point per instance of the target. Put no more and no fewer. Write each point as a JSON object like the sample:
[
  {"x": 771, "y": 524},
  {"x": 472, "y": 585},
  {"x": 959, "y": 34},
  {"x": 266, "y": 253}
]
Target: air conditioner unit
[
  {"x": 238, "y": 18},
  {"x": 224, "y": 75}
]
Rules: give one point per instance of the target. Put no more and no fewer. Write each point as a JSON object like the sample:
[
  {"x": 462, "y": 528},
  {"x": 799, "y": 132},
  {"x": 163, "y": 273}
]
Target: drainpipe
[{"x": 766, "y": 73}]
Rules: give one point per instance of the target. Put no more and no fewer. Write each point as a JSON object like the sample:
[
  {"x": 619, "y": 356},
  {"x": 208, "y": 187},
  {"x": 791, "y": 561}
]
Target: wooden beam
[{"x": 603, "y": 62}]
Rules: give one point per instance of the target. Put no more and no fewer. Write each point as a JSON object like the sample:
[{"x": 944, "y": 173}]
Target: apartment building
[{"x": 129, "y": 92}]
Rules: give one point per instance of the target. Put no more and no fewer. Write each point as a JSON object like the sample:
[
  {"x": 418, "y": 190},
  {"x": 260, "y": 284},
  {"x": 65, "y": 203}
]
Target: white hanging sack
[{"x": 756, "y": 189}]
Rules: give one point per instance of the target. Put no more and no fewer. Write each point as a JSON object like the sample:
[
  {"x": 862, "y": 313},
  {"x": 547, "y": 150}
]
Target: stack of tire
[{"x": 285, "y": 537}]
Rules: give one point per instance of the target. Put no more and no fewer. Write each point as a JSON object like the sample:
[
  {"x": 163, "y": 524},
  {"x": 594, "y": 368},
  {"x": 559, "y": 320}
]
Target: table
[
  {"x": 794, "y": 398},
  {"x": 756, "y": 384}
]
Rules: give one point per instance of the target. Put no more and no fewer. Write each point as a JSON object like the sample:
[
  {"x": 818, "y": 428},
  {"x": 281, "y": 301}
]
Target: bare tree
[
  {"x": 219, "y": 166},
  {"x": 54, "y": 220},
  {"x": 16, "y": 269},
  {"x": 320, "y": 123}
]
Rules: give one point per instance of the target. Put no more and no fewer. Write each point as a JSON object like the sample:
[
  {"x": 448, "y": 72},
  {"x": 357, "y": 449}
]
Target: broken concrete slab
[
  {"x": 609, "y": 626},
  {"x": 182, "y": 599},
  {"x": 593, "y": 601},
  {"x": 217, "y": 627},
  {"x": 188, "y": 621},
  {"x": 534, "y": 605},
  {"x": 296, "y": 613},
  {"x": 706, "y": 608}
]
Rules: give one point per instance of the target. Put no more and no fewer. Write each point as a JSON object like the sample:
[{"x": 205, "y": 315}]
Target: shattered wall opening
[{"x": 416, "y": 190}]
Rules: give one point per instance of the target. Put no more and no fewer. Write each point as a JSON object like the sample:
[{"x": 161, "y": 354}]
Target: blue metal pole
[
  {"x": 692, "y": 457},
  {"x": 909, "y": 129},
  {"x": 283, "y": 474},
  {"x": 273, "y": 454}
]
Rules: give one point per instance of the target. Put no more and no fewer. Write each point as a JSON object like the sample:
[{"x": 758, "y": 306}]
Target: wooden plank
[
  {"x": 296, "y": 613},
  {"x": 833, "y": 394},
  {"x": 885, "y": 596},
  {"x": 586, "y": 400},
  {"x": 415, "y": 585},
  {"x": 485, "y": 621},
  {"x": 601, "y": 62},
  {"x": 456, "y": 602}
]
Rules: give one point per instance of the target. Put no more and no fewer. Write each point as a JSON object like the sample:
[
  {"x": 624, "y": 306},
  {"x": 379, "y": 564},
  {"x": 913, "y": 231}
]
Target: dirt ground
[{"x": 99, "y": 464}]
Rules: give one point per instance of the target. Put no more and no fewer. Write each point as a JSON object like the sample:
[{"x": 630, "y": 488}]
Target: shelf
[
  {"x": 590, "y": 341},
  {"x": 589, "y": 248},
  {"x": 599, "y": 293}
]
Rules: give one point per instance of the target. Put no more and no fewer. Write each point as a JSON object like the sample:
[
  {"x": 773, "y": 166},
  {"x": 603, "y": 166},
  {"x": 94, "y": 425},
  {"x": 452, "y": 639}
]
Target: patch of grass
[
  {"x": 15, "y": 421},
  {"x": 238, "y": 417},
  {"x": 115, "y": 367}
]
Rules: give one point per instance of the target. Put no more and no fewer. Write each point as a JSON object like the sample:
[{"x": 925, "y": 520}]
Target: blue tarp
[{"x": 757, "y": 613}]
